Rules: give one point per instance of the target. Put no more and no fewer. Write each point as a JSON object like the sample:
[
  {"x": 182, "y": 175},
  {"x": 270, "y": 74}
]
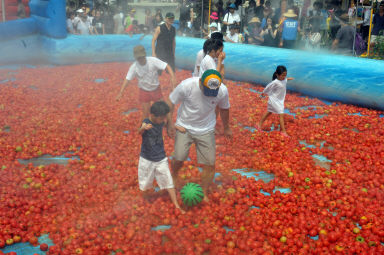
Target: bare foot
[
  {"x": 285, "y": 134},
  {"x": 217, "y": 131},
  {"x": 258, "y": 128},
  {"x": 181, "y": 210}
]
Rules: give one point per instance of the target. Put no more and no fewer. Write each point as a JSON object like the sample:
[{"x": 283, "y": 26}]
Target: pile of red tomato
[{"x": 94, "y": 206}]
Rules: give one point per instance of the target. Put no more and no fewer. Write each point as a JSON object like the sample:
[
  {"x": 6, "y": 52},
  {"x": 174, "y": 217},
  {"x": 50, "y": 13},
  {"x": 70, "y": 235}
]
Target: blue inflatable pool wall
[{"x": 43, "y": 39}]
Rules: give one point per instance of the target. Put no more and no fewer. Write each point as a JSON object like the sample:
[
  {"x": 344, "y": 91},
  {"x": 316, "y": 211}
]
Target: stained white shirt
[
  {"x": 276, "y": 91},
  {"x": 197, "y": 111},
  {"x": 147, "y": 75}
]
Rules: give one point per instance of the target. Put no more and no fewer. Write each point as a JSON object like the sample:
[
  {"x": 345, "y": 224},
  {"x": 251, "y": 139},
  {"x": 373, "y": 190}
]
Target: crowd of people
[{"x": 267, "y": 23}]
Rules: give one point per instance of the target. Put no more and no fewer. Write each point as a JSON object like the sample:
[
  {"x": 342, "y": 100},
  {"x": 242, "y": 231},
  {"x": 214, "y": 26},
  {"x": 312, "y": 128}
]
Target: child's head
[
  {"x": 215, "y": 48},
  {"x": 140, "y": 54},
  {"x": 280, "y": 73},
  {"x": 206, "y": 45},
  {"x": 159, "y": 111}
]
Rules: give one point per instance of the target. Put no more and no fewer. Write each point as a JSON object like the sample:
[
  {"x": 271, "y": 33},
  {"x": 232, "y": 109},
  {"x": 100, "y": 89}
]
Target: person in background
[
  {"x": 185, "y": 16},
  {"x": 269, "y": 34},
  {"x": 129, "y": 19},
  {"x": 133, "y": 28},
  {"x": 98, "y": 24},
  {"x": 164, "y": 41},
  {"x": 289, "y": 29},
  {"x": 82, "y": 23},
  {"x": 213, "y": 58},
  {"x": 343, "y": 42},
  {"x": 215, "y": 19},
  {"x": 264, "y": 20},
  {"x": 276, "y": 91},
  {"x": 158, "y": 20},
  {"x": 366, "y": 20},
  {"x": 254, "y": 33},
  {"x": 378, "y": 24},
  {"x": 220, "y": 9},
  {"x": 231, "y": 18},
  {"x": 21, "y": 13},
  {"x": 259, "y": 11},
  {"x": 108, "y": 21},
  {"x": 212, "y": 29},
  {"x": 148, "y": 19},
  {"x": 70, "y": 18},
  {"x": 233, "y": 36},
  {"x": 118, "y": 18}
]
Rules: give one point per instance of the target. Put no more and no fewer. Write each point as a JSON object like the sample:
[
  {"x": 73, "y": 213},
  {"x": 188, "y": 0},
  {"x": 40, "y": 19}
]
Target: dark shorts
[{"x": 150, "y": 96}]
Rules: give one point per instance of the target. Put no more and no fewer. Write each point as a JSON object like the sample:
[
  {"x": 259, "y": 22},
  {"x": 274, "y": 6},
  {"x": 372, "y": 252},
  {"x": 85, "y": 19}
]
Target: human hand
[
  {"x": 171, "y": 130},
  {"x": 281, "y": 44},
  {"x": 180, "y": 129},
  {"x": 290, "y": 78},
  {"x": 118, "y": 97},
  {"x": 221, "y": 56},
  {"x": 146, "y": 126}
]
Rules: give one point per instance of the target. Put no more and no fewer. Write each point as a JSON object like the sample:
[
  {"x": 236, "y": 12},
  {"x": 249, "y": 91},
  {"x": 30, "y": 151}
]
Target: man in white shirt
[
  {"x": 82, "y": 22},
  {"x": 196, "y": 120},
  {"x": 232, "y": 37},
  {"x": 231, "y": 17},
  {"x": 145, "y": 69}
]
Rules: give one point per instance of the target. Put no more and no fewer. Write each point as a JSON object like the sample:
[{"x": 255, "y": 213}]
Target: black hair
[
  {"x": 215, "y": 45},
  {"x": 217, "y": 36},
  {"x": 279, "y": 71},
  {"x": 206, "y": 45},
  {"x": 159, "y": 109},
  {"x": 261, "y": 2}
]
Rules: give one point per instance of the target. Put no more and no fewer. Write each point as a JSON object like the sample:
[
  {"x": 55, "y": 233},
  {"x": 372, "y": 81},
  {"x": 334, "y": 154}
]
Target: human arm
[
  {"x": 334, "y": 44},
  {"x": 227, "y": 39},
  {"x": 171, "y": 130},
  {"x": 220, "y": 66},
  {"x": 174, "y": 46},
  {"x": 290, "y": 78},
  {"x": 125, "y": 84},
  {"x": 172, "y": 74},
  {"x": 154, "y": 39},
  {"x": 144, "y": 127},
  {"x": 224, "y": 113},
  {"x": 225, "y": 20}
]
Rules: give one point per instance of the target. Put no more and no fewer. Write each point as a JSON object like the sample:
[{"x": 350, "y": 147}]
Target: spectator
[
  {"x": 118, "y": 18},
  {"x": 269, "y": 34},
  {"x": 289, "y": 30},
  {"x": 133, "y": 28},
  {"x": 232, "y": 37},
  {"x": 82, "y": 22},
  {"x": 148, "y": 19},
  {"x": 98, "y": 24},
  {"x": 212, "y": 29},
  {"x": 250, "y": 8},
  {"x": 220, "y": 9},
  {"x": 21, "y": 13},
  {"x": 259, "y": 11},
  {"x": 230, "y": 18},
  {"x": 158, "y": 21},
  {"x": 70, "y": 18},
  {"x": 129, "y": 19},
  {"x": 215, "y": 19},
  {"x": 345, "y": 37},
  {"x": 108, "y": 21},
  {"x": 264, "y": 20},
  {"x": 163, "y": 41},
  {"x": 366, "y": 20},
  {"x": 378, "y": 24},
  {"x": 186, "y": 15},
  {"x": 254, "y": 35}
]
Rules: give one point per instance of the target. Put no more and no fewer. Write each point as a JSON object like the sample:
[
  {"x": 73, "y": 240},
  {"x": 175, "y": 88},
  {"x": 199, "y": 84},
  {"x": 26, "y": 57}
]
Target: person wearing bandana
[{"x": 196, "y": 121}]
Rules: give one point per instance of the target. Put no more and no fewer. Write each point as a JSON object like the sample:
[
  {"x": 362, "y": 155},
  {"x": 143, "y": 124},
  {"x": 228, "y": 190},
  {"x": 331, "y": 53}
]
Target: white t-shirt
[
  {"x": 232, "y": 18},
  {"x": 147, "y": 75},
  {"x": 276, "y": 90},
  {"x": 81, "y": 25},
  {"x": 234, "y": 37},
  {"x": 197, "y": 111},
  {"x": 199, "y": 57},
  {"x": 70, "y": 26},
  {"x": 207, "y": 63}
]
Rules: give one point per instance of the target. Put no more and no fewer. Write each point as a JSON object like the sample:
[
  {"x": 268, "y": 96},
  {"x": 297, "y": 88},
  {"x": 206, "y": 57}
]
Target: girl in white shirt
[
  {"x": 214, "y": 58},
  {"x": 276, "y": 91}
]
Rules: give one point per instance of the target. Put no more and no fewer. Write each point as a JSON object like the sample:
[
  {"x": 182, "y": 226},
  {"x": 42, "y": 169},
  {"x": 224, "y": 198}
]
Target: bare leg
[
  {"x": 207, "y": 179},
  {"x": 146, "y": 107},
  {"x": 263, "y": 118},
  {"x": 172, "y": 194},
  {"x": 176, "y": 165},
  {"x": 282, "y": 126}
]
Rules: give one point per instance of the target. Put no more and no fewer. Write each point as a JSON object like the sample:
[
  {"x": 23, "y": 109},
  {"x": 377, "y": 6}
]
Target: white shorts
[{"x": 148, "y": 170}]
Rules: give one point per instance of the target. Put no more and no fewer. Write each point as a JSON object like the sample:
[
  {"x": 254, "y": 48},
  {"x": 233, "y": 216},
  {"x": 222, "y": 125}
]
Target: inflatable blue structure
[{"x": 42, "y": 39}]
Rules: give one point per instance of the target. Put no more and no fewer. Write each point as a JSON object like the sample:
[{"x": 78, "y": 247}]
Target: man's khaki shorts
[{"x": 205, "y": 147}]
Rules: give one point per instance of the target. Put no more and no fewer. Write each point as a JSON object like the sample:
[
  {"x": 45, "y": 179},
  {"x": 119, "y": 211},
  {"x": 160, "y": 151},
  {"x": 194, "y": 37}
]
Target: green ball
[{"x": 191, "y": 194}]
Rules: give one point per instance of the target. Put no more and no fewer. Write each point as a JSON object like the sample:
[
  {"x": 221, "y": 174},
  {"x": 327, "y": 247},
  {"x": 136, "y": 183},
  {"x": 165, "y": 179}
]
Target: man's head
[
  {"x": 232, "y": 8},
  {"x": 169, "y": 18},
  {"x": 232, "y": 29},
  {"x": 159, "y": 111},
  {"x": 210, "y": 82},
  {"x": 140, "y": 54},
  {"x": 217, "y": 36}
]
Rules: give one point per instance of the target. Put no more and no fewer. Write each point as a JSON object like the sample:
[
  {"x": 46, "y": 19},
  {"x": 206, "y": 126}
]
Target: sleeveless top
[{"x": 164, "y": 44}]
